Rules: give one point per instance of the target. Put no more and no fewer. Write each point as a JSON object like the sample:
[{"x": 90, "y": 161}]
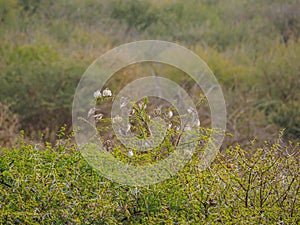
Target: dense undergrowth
[
  {"x": 251, "y": 46},
  {"x": 55, "y": 185}
]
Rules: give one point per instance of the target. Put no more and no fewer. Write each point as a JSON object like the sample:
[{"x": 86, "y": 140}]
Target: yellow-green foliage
[
  {"x": 253, "y": 48},
  {"x": 243, "y": 186}
]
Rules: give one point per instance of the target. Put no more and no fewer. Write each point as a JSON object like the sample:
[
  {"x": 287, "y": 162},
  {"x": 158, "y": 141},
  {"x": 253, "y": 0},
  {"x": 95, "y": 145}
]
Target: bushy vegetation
[
  {"x": 243, "y": 186},
  {"x": 253, "y": 48}
]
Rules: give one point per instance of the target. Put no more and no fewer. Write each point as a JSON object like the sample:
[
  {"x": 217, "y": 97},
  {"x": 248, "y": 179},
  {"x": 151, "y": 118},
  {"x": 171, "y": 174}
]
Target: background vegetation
[{"x": 253, "y": 48}]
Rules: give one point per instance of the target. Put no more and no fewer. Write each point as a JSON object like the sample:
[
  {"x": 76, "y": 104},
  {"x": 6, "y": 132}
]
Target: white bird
[
  {"x": 97, "y": 94},
  {"x": 169, "y": 114},
  {"x": 91, "y": 112},
  {"x": 107, "y": 93},
  {"x": 98, "y": 116},
  {"x": 130, "y": 153},
  {"x": 197, "y": 123}
]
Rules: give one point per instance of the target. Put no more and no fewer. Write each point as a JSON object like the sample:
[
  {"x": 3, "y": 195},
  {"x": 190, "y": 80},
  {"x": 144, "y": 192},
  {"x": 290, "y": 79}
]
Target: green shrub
[
  {"x": 55, "y": 185},
  {"x": 279, "y": 76},
  {"x": 39, "y": 82}
]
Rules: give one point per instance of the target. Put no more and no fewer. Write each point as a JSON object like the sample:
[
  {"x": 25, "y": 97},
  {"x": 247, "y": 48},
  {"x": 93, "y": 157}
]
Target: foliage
[
  {"x": 9, "y": 126},
  {"x": 38, "y": 83},
  {"x": 8, "y": 13},
  {"x": 244, "y": 185},
  {"x": 136, "y": 14},
  {"x": 280, "y": 72},
  {"x": 46, "y": 46},
  {"x": 253, "y": 48}
]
